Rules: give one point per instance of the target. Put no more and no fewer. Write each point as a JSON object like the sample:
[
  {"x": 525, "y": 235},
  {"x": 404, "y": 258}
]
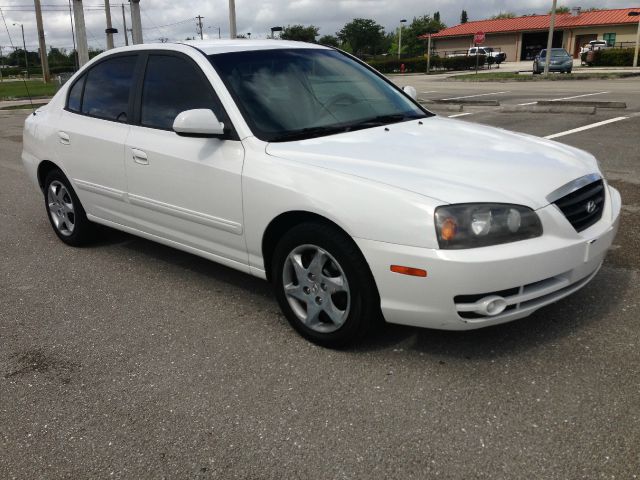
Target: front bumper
[{"x": 529, "y": 274}]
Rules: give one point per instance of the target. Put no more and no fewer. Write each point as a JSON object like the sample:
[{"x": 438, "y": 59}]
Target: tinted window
[
  {"x": 287, "y": 93},
  {"x": 173, "y": 85},
  {"x": 106, "y": 93},
  {"x": 75, "y": 95}
]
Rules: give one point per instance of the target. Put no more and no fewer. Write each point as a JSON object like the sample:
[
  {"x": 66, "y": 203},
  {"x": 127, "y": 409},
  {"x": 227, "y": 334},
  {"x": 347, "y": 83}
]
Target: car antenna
[{"x": 14, "y": 49}]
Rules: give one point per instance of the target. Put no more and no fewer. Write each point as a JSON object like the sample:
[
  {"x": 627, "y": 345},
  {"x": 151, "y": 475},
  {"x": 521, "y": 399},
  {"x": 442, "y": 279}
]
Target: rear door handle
[
  {"x": 139, "y": 156},
  {"x": 64, "y": 138}
]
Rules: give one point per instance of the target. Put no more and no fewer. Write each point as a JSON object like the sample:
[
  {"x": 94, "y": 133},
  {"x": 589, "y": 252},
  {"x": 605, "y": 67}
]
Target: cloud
[{"x": 175, "y": 19}]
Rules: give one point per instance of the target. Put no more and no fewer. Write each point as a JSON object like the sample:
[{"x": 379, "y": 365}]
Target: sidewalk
[{"x": 26, "y": 103}]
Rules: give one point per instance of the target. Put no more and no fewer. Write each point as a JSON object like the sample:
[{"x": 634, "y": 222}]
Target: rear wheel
[
  {"x": 65, "y": 212},
  {"x": 324, "y": 285}
]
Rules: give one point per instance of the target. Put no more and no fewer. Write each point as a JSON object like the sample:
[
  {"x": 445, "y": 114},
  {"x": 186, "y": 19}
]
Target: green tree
[
  {"x": 411, "y": 44},
  {"x": 300, "y": 33},
  {"x": 502, "y": 15},
  {"x": 561, "y": 9},
  {"x": 58, "y": 57},
  {"x": 329, "y": 40},
  {"x": 464, "y": 18},
  {"x": 363, "y": 35}
]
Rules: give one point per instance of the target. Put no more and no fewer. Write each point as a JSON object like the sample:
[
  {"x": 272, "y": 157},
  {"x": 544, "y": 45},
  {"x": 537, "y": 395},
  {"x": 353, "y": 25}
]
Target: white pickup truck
[
  {"x": 594, "y": 45},
  {"x": 486, "y": 51}
]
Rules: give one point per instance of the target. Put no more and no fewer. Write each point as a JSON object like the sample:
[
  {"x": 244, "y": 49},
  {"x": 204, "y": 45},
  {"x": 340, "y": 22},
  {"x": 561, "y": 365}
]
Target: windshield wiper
[
  {"x": 310, "y": 132},
  {"x": 383, "y": 120}
]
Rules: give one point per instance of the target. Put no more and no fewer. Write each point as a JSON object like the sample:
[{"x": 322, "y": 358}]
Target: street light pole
[
  {"x": 24, "y": 44},
  {"x": 550, "y": 39},
  {"x": 637, "y": 50},
  {"x": 400, "y": 37}
]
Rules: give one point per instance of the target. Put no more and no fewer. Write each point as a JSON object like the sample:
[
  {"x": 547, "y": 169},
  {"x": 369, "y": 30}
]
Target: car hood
[{"x": 448, "y": 160}]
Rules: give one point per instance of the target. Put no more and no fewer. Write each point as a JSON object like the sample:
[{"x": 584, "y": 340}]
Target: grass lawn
[
  {"x": 15, "y": 90},
  {"x": 517, "y": 77}
]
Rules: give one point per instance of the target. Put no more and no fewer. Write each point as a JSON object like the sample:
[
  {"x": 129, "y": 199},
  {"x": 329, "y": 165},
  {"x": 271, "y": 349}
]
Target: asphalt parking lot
[{"x": 129, "y": 359}]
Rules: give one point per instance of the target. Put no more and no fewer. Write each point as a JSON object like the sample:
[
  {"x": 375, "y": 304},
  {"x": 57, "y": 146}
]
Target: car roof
[{"x": 211, "y": 47}]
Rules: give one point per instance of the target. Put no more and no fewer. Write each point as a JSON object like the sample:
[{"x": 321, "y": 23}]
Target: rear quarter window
[{"x": 74, "y": 101}]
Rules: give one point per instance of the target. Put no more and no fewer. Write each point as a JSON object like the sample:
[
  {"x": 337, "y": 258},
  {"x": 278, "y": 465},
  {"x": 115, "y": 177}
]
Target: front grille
[{"x": 583, "y": 207}]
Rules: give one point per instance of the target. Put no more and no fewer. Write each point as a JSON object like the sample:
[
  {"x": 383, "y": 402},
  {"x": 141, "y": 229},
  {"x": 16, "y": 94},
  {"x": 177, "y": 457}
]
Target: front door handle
[
  {"x": 139, "y": 156},
  {"x": 64, "y": 138}
]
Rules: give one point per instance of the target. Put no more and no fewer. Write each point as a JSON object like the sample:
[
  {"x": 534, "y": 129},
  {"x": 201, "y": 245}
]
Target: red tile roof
[{"x": 540, "y": 22}]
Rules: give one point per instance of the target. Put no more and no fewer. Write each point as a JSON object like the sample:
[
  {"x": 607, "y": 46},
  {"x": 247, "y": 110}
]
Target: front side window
[
  {"x": 287, "y": 94},
  {"x": 107, "y": 87},
  {"x": 172, "y": 85}
]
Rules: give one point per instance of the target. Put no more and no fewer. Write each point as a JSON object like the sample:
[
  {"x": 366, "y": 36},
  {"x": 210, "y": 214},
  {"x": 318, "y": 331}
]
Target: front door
[{"x": 184, "y": 189}]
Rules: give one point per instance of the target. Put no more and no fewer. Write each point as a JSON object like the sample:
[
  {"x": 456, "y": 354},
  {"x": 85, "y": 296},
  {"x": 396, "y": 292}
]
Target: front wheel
[{"x": 324, "y": 286}]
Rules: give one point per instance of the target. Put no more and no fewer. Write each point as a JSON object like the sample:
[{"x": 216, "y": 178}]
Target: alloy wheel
[{"x": 316, "y": 288}]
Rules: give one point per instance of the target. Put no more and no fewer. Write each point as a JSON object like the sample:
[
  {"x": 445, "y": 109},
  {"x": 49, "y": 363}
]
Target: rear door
[
  {"x": 92, "y": 130},
  {"x": 184, "y": 189}
]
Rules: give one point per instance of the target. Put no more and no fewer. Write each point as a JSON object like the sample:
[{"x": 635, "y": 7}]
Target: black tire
[
  {"x": 364, "y": 311},
  {"x": 83, "y": 230}
]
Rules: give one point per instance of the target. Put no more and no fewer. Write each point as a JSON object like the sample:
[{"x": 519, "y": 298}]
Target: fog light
[{"x": 493, "y": 305}]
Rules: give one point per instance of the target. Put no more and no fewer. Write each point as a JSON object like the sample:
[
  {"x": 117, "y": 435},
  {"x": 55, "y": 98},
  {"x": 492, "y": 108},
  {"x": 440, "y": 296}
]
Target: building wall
[
  {"x": 624, "y": 33},
  {"x": 511, "y": 43},
  {"x": 442, "y": 45}
]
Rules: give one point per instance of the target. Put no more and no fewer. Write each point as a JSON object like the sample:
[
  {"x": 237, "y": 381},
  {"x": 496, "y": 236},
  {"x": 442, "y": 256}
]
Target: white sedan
[{"x": 301, "y": 165}]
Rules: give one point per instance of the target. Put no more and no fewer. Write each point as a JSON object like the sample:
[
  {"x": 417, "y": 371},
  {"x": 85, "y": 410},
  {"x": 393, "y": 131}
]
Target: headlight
[{"x": 472, "y": 225}]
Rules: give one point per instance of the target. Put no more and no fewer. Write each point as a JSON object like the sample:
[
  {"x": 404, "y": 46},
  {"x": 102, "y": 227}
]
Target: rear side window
[
  {"x": 172, "y": 85},
  {"x": 107, "y": 87},
  {"x": 75, "y": 95}
]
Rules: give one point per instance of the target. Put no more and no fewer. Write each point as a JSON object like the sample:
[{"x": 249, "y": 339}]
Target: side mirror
[
  {"x": 411, "y": 91},
  {"x": 200, "y": 122}
]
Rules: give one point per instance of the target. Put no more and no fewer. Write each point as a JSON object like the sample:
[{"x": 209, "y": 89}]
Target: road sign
[{"x": 478, "y": 38}]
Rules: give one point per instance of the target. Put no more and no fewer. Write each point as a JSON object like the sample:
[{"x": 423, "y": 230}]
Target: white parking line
[
  {"x": 478, "y": 95},
  {"x": 578, "y": 96},
  {"x": 430, "y": 91},
  {"x": 586, "y": 127},
  {"x": 565, "y": 98},
  {"x": 460, "y": 115}
]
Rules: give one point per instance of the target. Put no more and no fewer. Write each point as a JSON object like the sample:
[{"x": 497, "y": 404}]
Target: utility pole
[
  {"x": 136, "y": 23},
  {"x": 81, "y": 33},
  {"x": 199, "y": 18},
  {"x": 232, "y": 19},
  {"x": 547, "y": 61},
  {"x": 109, "y": 29},
  {"x": 637, "y": 49},
  {"x": 73, "y": 37},
  {"x": 124, "y": 23},
  {"x": 44, "y": 60},
  {"x": 429, "y": 54},
  {"x": 400, "y": 37},
  {"x": 1, "y": 64}
]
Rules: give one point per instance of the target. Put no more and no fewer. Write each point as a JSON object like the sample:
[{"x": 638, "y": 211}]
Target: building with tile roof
[{"x": 521, "y": 38}]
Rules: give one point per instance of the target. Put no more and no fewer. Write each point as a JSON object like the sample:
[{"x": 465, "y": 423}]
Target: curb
[
  {"x": 585, "y": 110},
  {"x": 442, "y": 107},
  {"x": 478, "y": 103},
  {"x": 584, "y": 103}
]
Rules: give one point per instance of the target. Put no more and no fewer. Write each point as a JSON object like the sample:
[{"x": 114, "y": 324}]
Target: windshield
[{"x": 290, "y": 94}]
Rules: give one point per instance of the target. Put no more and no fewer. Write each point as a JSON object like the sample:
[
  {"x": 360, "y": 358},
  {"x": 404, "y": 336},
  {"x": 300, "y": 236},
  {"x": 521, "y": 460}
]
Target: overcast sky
[{"x": 160, "y": 17}]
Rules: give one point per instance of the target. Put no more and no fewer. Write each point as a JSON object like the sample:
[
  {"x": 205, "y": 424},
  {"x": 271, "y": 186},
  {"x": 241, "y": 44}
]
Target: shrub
[
  {"x": 612, "y": 57},
  {"x": 419, "y": 64}
]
